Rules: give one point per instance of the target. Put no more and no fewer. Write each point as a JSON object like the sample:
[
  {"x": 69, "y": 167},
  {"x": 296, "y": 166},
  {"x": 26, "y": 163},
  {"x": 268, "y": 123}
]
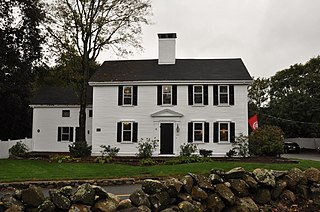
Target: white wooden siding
[{"x": 107, "y": 113}]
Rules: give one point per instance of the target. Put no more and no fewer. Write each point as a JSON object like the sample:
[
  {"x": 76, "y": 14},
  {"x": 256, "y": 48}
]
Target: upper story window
[
  {"x": 167, "y": 95},
  {"x": 223, "y": 95},
  {"x": 127, "y": 131},
  {"x": 65, "y": 113},
  {"x": 65, "y": 134},
  {"x": 198, "y": 94},
  {"x": 198, "y": 132},
  {"x": 127, "y": 95}
]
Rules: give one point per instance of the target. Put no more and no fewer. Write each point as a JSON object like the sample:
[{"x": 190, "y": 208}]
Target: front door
[{"x": 166, "y": 138}]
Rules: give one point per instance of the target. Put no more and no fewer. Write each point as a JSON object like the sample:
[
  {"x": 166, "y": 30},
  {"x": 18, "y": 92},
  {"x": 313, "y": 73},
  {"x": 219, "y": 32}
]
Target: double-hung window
[
  {"x": 166, "y": 95},
  {"x": 224, "y": 132},
  {"x": 127, "y": 95},
  {"x": 198, "y": 94},
  {"x": 127, "y": 131},
  {"x": 65, "y": 134},
  {"x": 223, "y": 94},
  {"x": 198, "y": 130},
  {"x": 65, "y": 113}
]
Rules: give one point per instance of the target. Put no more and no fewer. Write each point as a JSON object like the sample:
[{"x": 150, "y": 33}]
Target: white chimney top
[{"x": 167, "y": 48}]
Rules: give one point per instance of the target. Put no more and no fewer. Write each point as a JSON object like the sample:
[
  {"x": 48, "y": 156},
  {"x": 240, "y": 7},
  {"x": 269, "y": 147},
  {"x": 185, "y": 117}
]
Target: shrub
[
  {"x": 187, "y": 149},
  {"x": 18, "y": 150},
  {"x": 147, "y": 162},
  {"x": 80, "y": 149},
  {"x": 266, "y": 140},
  {"x": 146, "y": 147},
  {"x": 103, "y": 159},
  {"x": 63, "y": 158},
  {"x": 240, "y": 147},
  {"x": 205, "y": 152},
  {"x": 187, "y": 159},
  {"x": 108, "y": 151}
]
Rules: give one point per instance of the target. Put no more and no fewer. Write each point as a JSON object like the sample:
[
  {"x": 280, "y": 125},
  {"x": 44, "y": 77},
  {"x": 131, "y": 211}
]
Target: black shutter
[
  {"x": 120, "y": 93},
  {"x": 190, "y": 132},
  {"x": 59, "y": 133},
  {"x": 174, "y": 95},
  {"x": 215, "y": 132},
  {"x": 215, "y": 95},
  {"x": 135, "y": 132},
  {"x": 159, "y": 91},
  {"x": 190, "y": 93},
  {"x": 231, "y": 94},
  {"x": 119, "y": 131},
  {"x": 206, "y": 132},
  {"x": 232, "y": 132},
  {"x": 205, "y": 94},
  {"x": 71, "y": 133},
  {"x": 135, "y": 95}
]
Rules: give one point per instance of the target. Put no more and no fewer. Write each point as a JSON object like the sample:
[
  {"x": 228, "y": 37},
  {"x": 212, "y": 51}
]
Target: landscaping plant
[
  {"x": 18, "y": 150},
  {"x": 240, "y": 147},
  {"x": 80, "y": 149},
  {"x": 187, "y": 149},
  {"x": 147, "y": 147}
]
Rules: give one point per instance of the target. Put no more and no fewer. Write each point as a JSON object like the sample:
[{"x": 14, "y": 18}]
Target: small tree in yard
[
  {"x": 187, "y": 149},
  {"x": 146, "y": 147},
  {"x": 266, "y": 140}
]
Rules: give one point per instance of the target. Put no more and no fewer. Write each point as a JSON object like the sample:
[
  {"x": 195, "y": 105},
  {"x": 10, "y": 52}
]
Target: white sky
[{"x": 269, "y": 35}]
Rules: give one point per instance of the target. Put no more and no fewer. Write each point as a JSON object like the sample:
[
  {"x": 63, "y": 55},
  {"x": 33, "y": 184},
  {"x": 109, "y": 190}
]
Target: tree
[
  {"x": 20, "y": 47},
  {"x": 258, "y": 94},
  {"x": 81, "y": 29}
]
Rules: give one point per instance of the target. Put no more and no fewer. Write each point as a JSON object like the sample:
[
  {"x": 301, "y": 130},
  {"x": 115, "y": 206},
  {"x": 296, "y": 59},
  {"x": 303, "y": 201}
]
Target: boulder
[
  {"x": 186, "y": 206},
  {"x": 79, "y": 208},
  {"x": 298, "y": 176},
  {"x": 66, "y": 191},
  {"x": 173, "y": 186},
  {"x": 159, "y": 200},
  {"x": 226, "y": 194},
  {"x": 239, "y": 187},
  {"x": 59, "y": 200},
  {"x": 144, "y": 208},
  {"x": 184, "y": 196},
  {"x": 7, "y": 201},
  {"x": 312, "y": 174},
  {"x": 253, "y": 184},
  {"x": 278, "y": 189},
  {"x": 302, "y": 191},
  {"x": 219, "y": 172},
  {"x": 288, "y": 196},
  {"x": 215, "y": 203},
  {"x": 235, "y": 173},
  {"x": 198, "y": 193},
  {"x": 100, "y": 192},
  {"x": 124, "y": 204},
  {"x": 264, "y": 177},
  {"x": 32, "y": 196},
  {"x": 262, "y": 196},
  {"x": 84, "y": 194},
  {"x": 187, "y": 182},
  {"x": 202, "y": 181},
  {"x": 152, "y": 186},
  {"x": 245, "y": 204},
  {"x": 291, "y": 183},
  {"x": 14, "y": 208},
  {"x": 139, "y": 197},
  {"x": 215, "y": 179},
  {"x": 107, "y": 204}
]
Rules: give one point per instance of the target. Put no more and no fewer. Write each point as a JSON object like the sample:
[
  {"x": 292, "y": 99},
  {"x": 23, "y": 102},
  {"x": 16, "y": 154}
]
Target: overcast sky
[{"x": 269, "y": 35}]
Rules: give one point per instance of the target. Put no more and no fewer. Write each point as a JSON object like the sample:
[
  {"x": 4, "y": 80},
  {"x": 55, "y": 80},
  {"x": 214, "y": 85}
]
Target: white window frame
[
  {"x": 220, "y": 93},
  {"x": 228, "y": 131},
  {"x": 63, "y": 111},
  {"x": 62, "y": 133},
  {"x": 194, "y": 130},
  {"x": 163, "y": 93},
  {"x": 125, "y": 96},
  {"x": 123, "y": 130},
  {"x": 194, "y": 94}
]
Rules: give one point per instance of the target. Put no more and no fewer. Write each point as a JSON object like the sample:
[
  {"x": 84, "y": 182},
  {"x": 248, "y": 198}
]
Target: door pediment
[{"x": 166, "y": 113}]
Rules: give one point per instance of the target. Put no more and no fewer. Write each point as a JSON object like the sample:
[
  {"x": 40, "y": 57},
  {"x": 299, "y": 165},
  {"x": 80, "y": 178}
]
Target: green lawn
[{"x": 21, "y": 170}]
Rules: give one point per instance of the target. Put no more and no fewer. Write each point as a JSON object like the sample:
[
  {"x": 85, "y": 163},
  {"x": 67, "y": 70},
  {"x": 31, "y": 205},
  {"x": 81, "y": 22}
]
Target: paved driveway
[{"x": 304, "y": 156}]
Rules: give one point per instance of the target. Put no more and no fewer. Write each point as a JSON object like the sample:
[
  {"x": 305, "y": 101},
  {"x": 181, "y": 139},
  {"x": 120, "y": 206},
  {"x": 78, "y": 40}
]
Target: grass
[{"x": 25, "y": 170}]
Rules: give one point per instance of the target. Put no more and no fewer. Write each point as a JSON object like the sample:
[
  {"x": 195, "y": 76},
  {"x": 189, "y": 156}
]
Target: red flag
[{"x": 253, "y": 121}]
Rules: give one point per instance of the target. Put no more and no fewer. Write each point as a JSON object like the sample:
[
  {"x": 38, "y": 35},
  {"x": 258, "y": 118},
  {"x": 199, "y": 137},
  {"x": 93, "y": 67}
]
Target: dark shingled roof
[
  {"x": 56, "y": 95},
  {"x": 183, "y": 69}
]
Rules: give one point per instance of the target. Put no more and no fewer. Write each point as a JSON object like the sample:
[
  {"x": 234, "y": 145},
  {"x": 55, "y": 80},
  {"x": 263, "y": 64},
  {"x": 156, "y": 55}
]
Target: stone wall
[{"x": 235, "y": 190}]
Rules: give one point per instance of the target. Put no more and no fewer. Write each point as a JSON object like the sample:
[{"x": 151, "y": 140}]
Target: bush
[
  {"x": 108, "y": 151},
  {"x": 187, "y": 149},
  {"x": 103, "y": 159},
  {"x": 80, "y": 149},
  {"x": 266, "y": 140},
  {"x": 147, "y": 162},
  {"x": 205, "y": 152},
  {"x": 187, "y": 159},
  {"x": 63, "y": 158},
  {"x": 18, "y": 150},
  {"x": 240, "y": 147},
  {"x": 147, "y": 147}
]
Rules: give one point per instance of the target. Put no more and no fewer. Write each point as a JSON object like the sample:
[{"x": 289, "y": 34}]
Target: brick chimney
[{"x": 167, "y": 48}]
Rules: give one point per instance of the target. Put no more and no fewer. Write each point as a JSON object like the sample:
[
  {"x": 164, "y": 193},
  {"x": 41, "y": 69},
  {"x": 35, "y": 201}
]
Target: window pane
[
  {"x": 65, "y": 113},
  {"x": 65, "y": 137},
  {"x": 223, "y": 98},
  {"x": 198, "y": 98},
  {"x": 127, "y": 90},
  {"x": 198, "y": 126},
  {"x": 223, "y": 89},
  {"x": 65, "y": 129},
  {"x": 224, "y": 132},
  {"x": 126, "y": 126},
  {"x": 166, "y": 98},
  {"x": 127, "y": 101},
  {"x": 126, "y": 135},
  {"x": 198, "y": 89},
  {"x": 198, "y": 136},
  {"x": 166, "y": 89}
]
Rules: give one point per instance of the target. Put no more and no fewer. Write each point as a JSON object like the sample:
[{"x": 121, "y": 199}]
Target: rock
[
  {"x": 139, "y": 197},
  {"x": 14, "y": 208},
  {"x": 278, "y": 174},
  {"x": 159, "y": 200},
  {"x": 7, "y": 201},
  {"x": 239, "y": 187},
  {"x": 108, "y": 204},
  {"x": 253, "y": 184},
  {"x": 198, "y": 193},
  {"x": 245, "y": 204},
  {"x": 215, "y": 179},
  {"x": 226, "y": 193},
  {"x": 235, "y": 173},
  {"x": 288, "y": 196},
  {"x": 124, "y": 204},
  {"x": 219, "y": 172},
  {"x": 215, "y": 203},
  {"x": 302, "y": 191},
  {"x": 32, "y": 196},
  {"x": 312, "y": 174},
  {"x": 298, "y": 176},
  {"x": 291, "y": 183},
  {"x": 262, "y": 196},
  {"x": 66, "y": 191},
  {"x": 17, "y": 194},
  {"x": 173, "y": 186},
  {"x": 187, "y": 182},
  {"x": 152, "y": 186},
  {"x": 84, "y": 194},
  {"x": 133, "y": 209},
  {"x": 79, "y": 208},
  {"x": 278, "y": 189},
  {"x": 144, "y": 208},
  {"x": 202, "y": 181},
  {"x": 186, "y": 206},
  {"x": 114, "y": 197},
  {"x": 264, "y": 177},
  {"x": 46, "y": 206},
  {"x": 184, "y": 196},
  {"x": 315, "y": 193},
  {"x": 99, "y": 191},
  {"x": 59, "y": 200},
  {"x": 169, "y": 210}
]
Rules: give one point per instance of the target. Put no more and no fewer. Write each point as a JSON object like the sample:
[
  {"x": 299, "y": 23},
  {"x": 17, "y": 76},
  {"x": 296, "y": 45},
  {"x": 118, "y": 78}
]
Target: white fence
[
  {"x": 308, "y": 143},
  {"x": 6, "y": 145}
]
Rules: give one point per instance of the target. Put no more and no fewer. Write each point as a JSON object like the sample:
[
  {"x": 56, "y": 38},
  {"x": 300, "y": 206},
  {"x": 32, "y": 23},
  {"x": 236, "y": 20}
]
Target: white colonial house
[{"x": 175, "y": 101}]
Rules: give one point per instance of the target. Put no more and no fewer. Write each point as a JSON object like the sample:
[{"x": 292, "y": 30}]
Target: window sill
[
  {"x": 224, "y": 143},
  {"x": 65, "y": 141},
  {"x": 127, "y": 105},
  {"x": 224, "y": 105},
  {"x": 126, "y": 142},
  {"x": 166, "y": 105},
  {"x": 198, "y": 105}
]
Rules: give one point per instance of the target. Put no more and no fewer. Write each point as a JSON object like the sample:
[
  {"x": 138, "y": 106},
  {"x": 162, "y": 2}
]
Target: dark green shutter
[
  {"x": 215, "y": 95},
  {"x": 190, "y": 132},
  {"x": 190, "y": 94},
  {"x": 159, "y": 91},
  {"x": 135, "y": 95},
  {"x": 119, "y": 131},
  {"x": 206, "y": 132},
  {"x": 135, "y": 132},
  {"x": 232, "y": 132},
  {"x": 59, "y": 133},
  {"x": 120, "y": 93},
  {"x": 71, "y": 134},
  {"x": 231, "y": 94},
  {"x": 205, "y": 94},
  {"x": 215, "y": 132},
  {"x": 174, "y": 95}
]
